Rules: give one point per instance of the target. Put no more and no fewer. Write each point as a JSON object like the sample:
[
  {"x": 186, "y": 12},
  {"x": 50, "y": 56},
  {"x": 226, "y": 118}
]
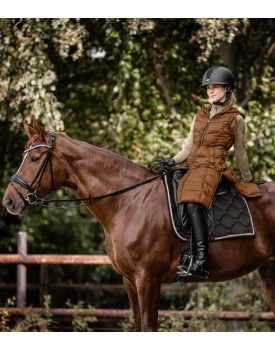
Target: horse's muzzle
[{"x": 14, "y": 206}]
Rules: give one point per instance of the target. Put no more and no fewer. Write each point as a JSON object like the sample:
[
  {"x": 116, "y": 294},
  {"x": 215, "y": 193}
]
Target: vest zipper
[
  {"x": 204, "y": 130},
  {"x": 193, "y": 157}
]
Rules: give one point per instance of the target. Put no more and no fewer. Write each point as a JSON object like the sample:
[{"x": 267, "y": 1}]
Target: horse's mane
[
  {"x": 125, "y": 161},
  {"x": 113, "y": 155},
  {"x": 28, "y": 144}
]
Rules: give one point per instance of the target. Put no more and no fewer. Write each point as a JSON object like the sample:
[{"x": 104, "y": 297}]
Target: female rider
[{"x": 214, "y": 130}]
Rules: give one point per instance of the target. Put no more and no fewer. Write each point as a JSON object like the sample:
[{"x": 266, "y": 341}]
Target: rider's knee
[{"x": 192, "y": 207}]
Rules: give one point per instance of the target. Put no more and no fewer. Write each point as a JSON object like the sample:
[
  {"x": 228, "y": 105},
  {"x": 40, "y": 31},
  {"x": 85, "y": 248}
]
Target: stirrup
[
  {"x": 201, "y": 267},
  {"x": 186, "y": 263},
  {"x": 203, "y": 274},
  {"x": 187, "y": 258},
  {"x": 184, "y": 273}
]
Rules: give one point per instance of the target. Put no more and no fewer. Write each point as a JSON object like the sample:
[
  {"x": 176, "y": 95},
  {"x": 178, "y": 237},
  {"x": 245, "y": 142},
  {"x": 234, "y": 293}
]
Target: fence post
[{"x": 21, "y": 270}]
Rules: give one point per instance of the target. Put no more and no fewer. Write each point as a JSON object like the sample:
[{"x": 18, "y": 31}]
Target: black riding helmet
[{"x": 219, "y": 75}]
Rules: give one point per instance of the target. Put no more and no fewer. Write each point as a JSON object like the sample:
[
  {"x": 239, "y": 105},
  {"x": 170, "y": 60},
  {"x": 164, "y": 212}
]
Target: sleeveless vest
[{"x": 206, "y": 160}]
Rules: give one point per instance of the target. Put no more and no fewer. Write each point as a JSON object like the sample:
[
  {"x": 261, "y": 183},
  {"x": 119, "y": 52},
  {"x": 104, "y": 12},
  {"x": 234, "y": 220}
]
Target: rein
[
  {"x": 16, "y": 179},
  {"x": 90, "y": 198}
]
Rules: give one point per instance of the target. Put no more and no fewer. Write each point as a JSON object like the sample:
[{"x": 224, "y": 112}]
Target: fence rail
[
  {"x": 57, "y": 259},
  {"x": 165, "y": 288},
  {"x": 124, "y": 314}
]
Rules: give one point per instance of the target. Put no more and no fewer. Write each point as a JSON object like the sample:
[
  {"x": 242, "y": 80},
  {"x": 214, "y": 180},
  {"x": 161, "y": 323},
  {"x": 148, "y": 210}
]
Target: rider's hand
[
  {"x": 167, "y": 165},
  {"x": 257, "y": 182}
]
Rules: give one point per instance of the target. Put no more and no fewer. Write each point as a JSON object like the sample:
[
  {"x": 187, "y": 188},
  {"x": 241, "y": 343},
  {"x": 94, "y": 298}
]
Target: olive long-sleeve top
[{"x": 239, "y": 148}]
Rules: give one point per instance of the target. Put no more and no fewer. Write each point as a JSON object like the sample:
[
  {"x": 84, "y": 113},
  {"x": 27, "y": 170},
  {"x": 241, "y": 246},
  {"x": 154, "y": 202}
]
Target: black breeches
[
  {"x": 193, "y": 207},
  {"x": 199, "y": 228}
]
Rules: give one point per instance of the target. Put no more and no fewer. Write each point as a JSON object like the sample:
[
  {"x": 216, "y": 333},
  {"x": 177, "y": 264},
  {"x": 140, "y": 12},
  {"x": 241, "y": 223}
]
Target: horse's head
[{"x": 38, "y": 174}]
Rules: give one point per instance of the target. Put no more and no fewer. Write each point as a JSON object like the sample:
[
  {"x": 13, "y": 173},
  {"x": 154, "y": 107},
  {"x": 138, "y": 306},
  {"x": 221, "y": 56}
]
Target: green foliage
[
  {"x": 211, "y": 296},
  {"x": 129, "y": 324},
  {"x": 33, "y": 322},
  {"x": 80, "y": 323},
  {"x": 4, "y": 316},
  {"x": 208, "y": 323},
  {"x": 174, "y": 323}
]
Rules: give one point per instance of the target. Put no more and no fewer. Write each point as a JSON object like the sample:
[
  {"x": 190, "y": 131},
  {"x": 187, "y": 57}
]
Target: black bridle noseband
[{"x": 16, "y": 179}]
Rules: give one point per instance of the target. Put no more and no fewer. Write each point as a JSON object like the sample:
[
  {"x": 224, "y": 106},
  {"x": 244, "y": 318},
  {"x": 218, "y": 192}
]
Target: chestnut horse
[{"x": 139, "y": 238}]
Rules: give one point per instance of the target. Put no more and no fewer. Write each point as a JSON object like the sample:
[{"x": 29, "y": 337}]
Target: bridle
[{"x": 16, "y": 179}]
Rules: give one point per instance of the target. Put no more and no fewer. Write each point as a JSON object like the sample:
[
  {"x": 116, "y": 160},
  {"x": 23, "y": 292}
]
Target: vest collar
[
  {"x": 215, "y": 109},
  {"x": 208, "y": 110}
]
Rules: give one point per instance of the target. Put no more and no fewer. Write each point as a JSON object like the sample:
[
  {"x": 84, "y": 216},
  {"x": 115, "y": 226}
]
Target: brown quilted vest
[{"x": 206, "y": 161}]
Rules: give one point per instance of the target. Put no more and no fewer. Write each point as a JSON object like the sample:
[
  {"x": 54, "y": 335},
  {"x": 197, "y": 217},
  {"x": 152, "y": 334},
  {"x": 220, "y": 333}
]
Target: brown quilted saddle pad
[{"x": 228, "y": 216}]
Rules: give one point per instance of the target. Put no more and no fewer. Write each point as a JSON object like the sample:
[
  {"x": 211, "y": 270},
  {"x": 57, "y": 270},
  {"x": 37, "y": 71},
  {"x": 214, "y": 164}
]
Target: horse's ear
[
  {"x": 29, "y": 130},
  {"x": 39, "y": 130}
]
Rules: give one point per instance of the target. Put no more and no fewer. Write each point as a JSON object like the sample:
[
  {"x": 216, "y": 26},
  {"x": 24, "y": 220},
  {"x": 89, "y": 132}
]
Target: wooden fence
[{"x": 22, "y": 259}]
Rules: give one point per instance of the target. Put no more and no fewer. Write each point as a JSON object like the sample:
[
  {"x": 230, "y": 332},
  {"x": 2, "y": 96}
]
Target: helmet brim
[{"x": 213, "y": 83}]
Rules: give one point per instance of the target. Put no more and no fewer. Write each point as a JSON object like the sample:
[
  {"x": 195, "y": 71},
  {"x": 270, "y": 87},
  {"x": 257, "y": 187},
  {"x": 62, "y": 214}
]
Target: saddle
[{"x": 228, "y": 216}]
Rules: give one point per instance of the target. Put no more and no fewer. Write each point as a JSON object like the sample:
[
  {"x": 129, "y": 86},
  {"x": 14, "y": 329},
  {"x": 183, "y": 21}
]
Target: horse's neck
[{"x": 94, "y": 171}]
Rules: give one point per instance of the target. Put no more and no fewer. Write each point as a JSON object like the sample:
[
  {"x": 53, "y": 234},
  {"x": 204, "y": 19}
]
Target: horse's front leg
[
  {"x": 133, "y": 298},
  {"x": 148, "y": 289}
]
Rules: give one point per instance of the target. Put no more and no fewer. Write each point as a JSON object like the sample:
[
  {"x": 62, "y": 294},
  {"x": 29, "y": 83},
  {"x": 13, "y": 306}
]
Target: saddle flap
[{"x": 227, "y": 217}]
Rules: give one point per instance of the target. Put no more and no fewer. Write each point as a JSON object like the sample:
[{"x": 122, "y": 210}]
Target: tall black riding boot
[
  {"x": 199, "y": 267},
  {"x": 199, "y": 229}
]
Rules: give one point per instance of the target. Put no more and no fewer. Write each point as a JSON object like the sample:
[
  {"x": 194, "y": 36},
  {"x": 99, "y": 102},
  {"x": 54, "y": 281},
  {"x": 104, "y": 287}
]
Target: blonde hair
[{"x": 232, "y": 99}]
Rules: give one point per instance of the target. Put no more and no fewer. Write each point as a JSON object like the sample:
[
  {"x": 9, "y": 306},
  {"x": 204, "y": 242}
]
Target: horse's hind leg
[
  {"x": 267, "y": 274},
  {"x": 133, "y": 298}
]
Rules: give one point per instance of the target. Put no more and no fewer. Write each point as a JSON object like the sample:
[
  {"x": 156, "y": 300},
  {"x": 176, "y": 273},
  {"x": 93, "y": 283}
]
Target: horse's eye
[{"x": 35, "y": 159}]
